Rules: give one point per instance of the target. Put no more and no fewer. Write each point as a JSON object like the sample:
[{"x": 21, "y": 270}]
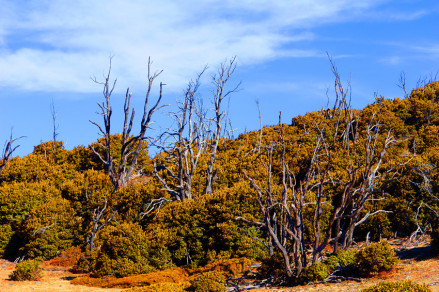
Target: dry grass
[
  {"x": 231, "y": 268},
  {"x": 67, "y": 258},
  {"x": 167, "y": 276}
]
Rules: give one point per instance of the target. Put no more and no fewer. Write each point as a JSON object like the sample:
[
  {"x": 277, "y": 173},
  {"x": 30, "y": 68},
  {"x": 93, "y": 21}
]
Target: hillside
[{"x": 295, "y": 191}]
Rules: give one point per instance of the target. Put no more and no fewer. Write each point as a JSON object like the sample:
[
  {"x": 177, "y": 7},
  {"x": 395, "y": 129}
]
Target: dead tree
[
  {"x": 188, "y": 141},
  {"x": 219, "y": 94},
  {"x": 55, "y": 125},
  {"x": 364, "y": 178},
  {"x": 193, "y": 137},
  {"x": 361, "y": 178},
  {"x": 131, "y": 145},
  {"x": 425, "y": 176},
  {"x": 284, "y": 214},
  {"x": 8, "y": 150}
]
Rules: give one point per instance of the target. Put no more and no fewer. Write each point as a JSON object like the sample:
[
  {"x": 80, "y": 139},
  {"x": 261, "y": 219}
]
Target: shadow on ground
[{"x": 416, "y": 253}]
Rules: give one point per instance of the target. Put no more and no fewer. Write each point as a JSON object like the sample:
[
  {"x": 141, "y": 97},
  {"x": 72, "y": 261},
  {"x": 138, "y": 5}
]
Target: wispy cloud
[
  {"x": 57, "y": 45},
  {"x": 392, "y": 60},
  {"x": 390, "y": 15}
]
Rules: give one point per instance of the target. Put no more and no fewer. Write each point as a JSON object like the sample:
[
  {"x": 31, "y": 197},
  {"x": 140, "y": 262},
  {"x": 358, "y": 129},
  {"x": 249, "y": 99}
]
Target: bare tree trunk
[
  {"x": 188, "y": 143},
  {"x": 131, "y": 145},
  {"x": 8, "y": 150},
  {"x": 98, "y": 215},
  {"x": 220, "y": 93},
  {"x": 55, "y": 126},
  {"x": 192, "y": 138}
]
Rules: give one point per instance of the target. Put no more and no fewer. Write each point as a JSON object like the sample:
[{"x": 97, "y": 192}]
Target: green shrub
[
  {"x": 86, "y": 262},
  {"x": 6, "y": 233},
  {"x": 375, "y": 258},
  {"x": 205, "y": 227},
  {"x": 401, "y": 286},
  {"x": 50, "y": 228},
  {"x": 342, "y": 258},
  {"x": 378, "y": 226},
  {"x": 273, "y": 266},
  {"x": 125, "y": 250},
  {"x": 28, "y": 270},
  {"x": 346, "y": 258},
  {"x": 332, "y": 262},
  {"x": 210, "y": 281},
  {"x": 120, "y": 267},
  {"x": 315, "y": 272}
]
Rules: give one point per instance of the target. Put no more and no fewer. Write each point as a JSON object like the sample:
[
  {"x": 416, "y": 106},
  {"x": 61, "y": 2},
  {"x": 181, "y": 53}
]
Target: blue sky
[{"x": 50, "y": 49}]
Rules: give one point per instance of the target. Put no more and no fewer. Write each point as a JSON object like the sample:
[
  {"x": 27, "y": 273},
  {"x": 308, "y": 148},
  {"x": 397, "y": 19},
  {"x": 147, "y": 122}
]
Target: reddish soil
[
  {"x": 416, "y": 264},
  {"x": 55, "y": 279}
]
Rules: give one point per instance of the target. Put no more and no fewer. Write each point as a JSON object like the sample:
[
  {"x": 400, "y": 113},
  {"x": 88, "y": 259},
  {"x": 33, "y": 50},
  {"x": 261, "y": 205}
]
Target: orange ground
[{"x": 416, "y": 265}]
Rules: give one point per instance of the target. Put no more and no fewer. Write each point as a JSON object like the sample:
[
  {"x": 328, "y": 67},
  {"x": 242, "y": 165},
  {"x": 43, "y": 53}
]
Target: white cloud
[
  {"x": 57, "y": 45},
  {"x": 430, "y": 49},
  {"x": 392, "y": 60}
]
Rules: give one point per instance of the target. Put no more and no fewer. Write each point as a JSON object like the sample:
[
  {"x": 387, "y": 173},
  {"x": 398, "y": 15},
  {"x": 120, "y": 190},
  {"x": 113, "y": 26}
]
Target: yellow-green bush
[
  {"x": 115, "y": 145},
  {"x": 86, "y": 262},
  {"x": 125, "y": 250},
  {"x": 342, "y": 258},
  {"x": 401, "y": 286},
  {"x": 17, "y": 200},
  {"x": 50, "y": 228},
  {"x": 316, "y": 272},
  {"x": 6, "y": 233},
  {"x": 204, "y": 229},
  {"x": 210, "y": 281},
  {"x": 28, "y": 270},
  {"x": 375, "y": 258}
]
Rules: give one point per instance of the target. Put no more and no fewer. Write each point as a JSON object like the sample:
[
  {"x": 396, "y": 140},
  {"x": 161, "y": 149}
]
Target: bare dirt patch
[
  {"x": 55, "y": 279},
  {"x": 416, "y": 264}
]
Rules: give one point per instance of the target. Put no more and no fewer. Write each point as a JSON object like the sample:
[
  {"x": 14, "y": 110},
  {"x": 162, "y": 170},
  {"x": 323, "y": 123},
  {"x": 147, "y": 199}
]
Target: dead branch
[
  {"x": 8, "y": 150},
  {"x": 98, "y": 215},
  {"x": 43, "y": 229},
  {"x": 155, "y": 204},
  {"x": 131, "y": 146}
]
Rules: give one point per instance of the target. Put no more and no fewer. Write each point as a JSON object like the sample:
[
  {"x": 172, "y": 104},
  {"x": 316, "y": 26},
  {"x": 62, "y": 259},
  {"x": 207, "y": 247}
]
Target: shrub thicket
[{"x": 50, "y": 228}]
